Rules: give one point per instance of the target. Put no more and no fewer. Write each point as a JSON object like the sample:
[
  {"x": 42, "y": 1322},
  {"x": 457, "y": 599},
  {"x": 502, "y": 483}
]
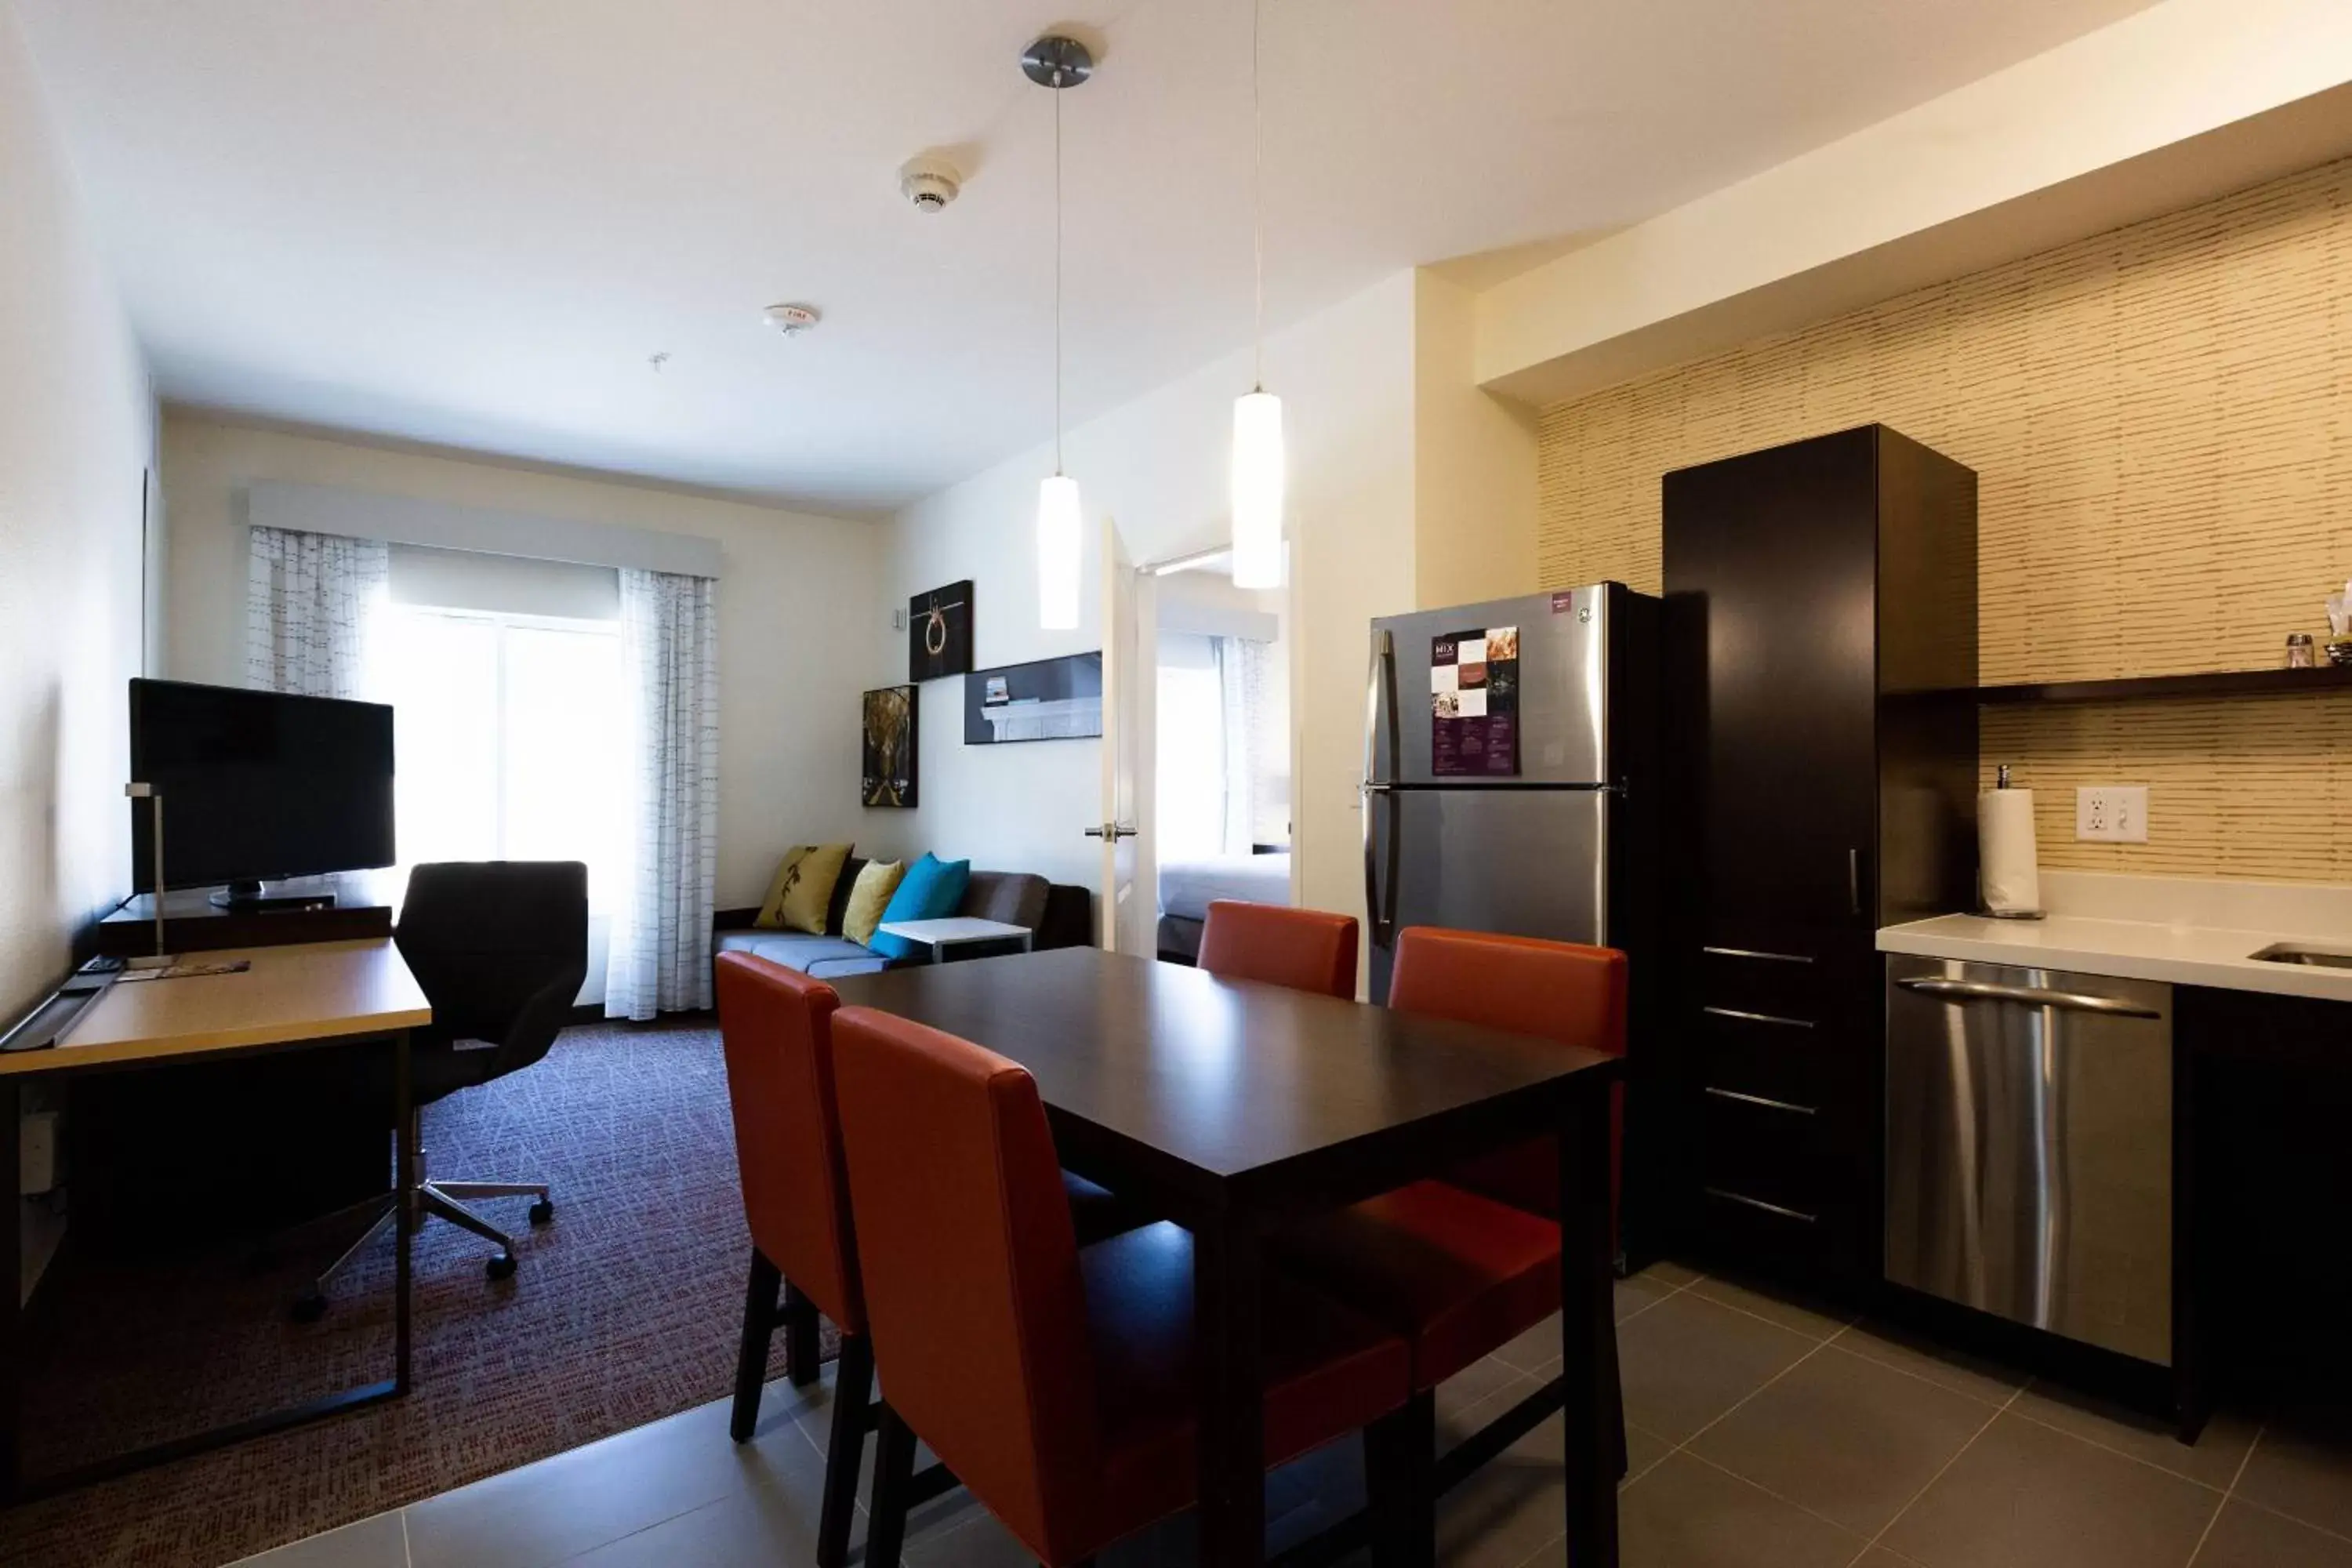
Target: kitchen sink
[{"x": 2284, "y": 952}]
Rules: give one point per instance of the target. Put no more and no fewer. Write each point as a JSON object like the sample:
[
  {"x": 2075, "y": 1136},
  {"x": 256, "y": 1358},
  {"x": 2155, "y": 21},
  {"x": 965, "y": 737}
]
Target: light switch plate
[{"x": 2112, "y": 814}]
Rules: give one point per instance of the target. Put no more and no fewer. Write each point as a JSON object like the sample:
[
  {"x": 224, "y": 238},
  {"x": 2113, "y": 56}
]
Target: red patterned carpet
[{"x": 624, "y": 1310}]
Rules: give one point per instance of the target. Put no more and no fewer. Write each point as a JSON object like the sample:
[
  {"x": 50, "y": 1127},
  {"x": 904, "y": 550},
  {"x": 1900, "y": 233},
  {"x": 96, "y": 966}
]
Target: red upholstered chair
[
  {"x": 1462, "y": 1266},
  {"x": 1558, "y": 991},
  {"x": 1055, "y": 1384},
  {"x": 1307, "y": 950},
  {"x": 776, "y": 1026}
]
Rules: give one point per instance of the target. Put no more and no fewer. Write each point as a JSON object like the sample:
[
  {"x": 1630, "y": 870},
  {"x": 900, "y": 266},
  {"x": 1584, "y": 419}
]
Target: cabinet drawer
[
  {"x": 1762, "y": 1152},
  {"x": 1777, "y": 1058},
  {"x": 1781, "y": 976},
  {"x": 1765, "y": 1237}
]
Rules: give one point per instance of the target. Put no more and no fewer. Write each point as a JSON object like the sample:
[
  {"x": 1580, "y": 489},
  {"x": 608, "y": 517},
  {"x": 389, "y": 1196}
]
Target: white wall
[
  {"x": 76, "y": 436},
  {"x": 1157, "y": 465},
  {"x": 76, "y": 441},
  {"x": 1475, "y": 492},
  {"x": 797, "y": 603}
]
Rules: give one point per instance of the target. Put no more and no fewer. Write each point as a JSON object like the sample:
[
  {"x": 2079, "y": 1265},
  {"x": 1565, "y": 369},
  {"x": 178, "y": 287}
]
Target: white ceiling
[{"x": 470, "y": 222}]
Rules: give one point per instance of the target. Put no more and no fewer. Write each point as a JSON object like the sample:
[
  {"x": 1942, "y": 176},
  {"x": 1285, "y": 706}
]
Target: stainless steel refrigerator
[{"x": 1542, "y": 827}]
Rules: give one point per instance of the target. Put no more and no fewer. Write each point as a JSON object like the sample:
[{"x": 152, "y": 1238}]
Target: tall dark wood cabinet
[{"x": 1822, "y": 652}]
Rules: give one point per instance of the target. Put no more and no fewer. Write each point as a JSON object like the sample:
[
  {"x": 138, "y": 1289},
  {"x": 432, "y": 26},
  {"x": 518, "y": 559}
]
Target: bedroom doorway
[{"x": 1221, "y": 786}]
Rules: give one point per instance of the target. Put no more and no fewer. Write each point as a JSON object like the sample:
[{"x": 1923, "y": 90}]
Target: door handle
[
  {"x": 2031, "y": 995},
  {"x": 1853, "y": 879},
  {"x": 1112, "y": 831}
]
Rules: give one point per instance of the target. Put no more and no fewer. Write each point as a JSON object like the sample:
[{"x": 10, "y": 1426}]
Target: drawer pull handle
[
  {"x": 2031, "y": 995},
  {"x": 1754, "y": 952},
  {"x": 1758, "y": 1017},
  {"x": 1760, "y": 1204},
  {"x": 1768, "y": 1103}
]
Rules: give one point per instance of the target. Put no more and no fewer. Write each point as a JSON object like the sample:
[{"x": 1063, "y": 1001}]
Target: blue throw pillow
[{"x": 932, "y": 889}]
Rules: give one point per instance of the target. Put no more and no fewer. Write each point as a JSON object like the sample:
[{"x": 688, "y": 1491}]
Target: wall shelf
[{"x": 2160, "y": 688}]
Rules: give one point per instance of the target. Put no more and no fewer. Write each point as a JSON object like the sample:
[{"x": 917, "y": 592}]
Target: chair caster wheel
[
  {"x": 309, "y": 1307},
  {"x": 502, "y": 1266},
  {"x": 542, "y": 1211}
]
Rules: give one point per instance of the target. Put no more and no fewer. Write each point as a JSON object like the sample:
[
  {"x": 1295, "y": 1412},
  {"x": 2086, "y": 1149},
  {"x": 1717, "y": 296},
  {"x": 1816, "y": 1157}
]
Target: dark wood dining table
[{"x": 1229, "y": 1106}]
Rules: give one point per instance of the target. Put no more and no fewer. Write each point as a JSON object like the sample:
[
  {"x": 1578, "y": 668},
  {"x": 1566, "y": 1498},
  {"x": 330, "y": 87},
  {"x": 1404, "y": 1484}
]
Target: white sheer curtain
[
  {"x": 1269, "y": 711},
  {"x": 313, "y": 604},
  {"x": 660, "y": 957},
  {"x": 1256, "y": 744}
]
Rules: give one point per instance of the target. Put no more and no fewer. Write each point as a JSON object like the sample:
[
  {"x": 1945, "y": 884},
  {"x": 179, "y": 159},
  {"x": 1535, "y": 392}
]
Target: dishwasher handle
[{"x": 2031, "y": 995}]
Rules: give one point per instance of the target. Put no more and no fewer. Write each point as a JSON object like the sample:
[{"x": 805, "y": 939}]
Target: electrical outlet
[{"x": 2112, "y": 814}]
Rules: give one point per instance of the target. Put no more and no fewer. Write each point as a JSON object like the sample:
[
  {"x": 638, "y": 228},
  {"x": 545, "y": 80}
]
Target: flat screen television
[{"x": 257, "y": 786}]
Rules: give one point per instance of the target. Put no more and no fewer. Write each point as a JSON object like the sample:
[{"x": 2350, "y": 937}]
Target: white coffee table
[{"x": 957, "y": 931}]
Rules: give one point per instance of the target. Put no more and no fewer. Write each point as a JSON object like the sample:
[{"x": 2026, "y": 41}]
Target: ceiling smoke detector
[
  {"x": 791, "y": 319},
  {"x": 929, "y": 183}
]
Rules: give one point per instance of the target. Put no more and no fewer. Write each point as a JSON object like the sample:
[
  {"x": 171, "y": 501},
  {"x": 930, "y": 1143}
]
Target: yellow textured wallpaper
[{"x": 2160, "y": 419}]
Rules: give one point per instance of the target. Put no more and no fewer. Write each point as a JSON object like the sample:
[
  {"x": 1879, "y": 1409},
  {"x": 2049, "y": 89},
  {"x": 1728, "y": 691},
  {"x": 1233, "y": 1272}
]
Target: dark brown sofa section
[{"x": 1061, "y": 915}]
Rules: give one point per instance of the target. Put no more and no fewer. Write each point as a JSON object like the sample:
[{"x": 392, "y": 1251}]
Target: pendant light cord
[
  {"x": 1258, "y": 197},
  {"x": 1058, "y": 272}
]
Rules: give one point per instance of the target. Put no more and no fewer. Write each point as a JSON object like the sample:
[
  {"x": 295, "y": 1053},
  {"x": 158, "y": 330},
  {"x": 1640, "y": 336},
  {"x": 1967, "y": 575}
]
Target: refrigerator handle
[{"x": 1379, "y": 701}]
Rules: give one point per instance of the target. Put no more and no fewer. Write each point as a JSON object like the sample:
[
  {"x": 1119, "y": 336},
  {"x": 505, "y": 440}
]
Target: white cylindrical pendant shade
[
  {"x": 1058, "y": 554},
  {"x": 1260, "y": 482}
]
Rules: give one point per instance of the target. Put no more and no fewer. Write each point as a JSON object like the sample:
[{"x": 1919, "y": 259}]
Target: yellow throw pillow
[
  {"x": 868, "y": 897},
  {"x": 802, "y": 889}
]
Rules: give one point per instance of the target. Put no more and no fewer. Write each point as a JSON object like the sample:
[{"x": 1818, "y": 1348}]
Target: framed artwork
[
  {"x": 886, "y": 774},
  {"x": 938, "y": 633},
  {"x": 1051, "y": 700}
]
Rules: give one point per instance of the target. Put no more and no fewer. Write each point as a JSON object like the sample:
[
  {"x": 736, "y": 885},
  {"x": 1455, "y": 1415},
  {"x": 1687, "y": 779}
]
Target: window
[
  {"x": 1190, "y": 786},
  {"x": 511, "y": 735}
]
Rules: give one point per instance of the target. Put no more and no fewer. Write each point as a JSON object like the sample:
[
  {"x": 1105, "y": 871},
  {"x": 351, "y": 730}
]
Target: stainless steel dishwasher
[{"x": 2029, "y": 1147}]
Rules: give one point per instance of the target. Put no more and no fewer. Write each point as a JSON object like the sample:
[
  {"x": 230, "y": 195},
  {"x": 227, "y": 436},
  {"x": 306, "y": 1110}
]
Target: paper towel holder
[{"x": 2001, "y": 780}]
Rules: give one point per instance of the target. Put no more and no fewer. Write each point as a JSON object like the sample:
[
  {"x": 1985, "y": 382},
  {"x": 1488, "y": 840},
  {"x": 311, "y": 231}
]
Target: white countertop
[{"x": 2182, "y": 939}]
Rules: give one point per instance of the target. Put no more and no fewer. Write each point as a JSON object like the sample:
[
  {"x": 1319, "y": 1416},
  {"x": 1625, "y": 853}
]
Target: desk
[
  {"x": 290, "y": 998},
  {"x": 1227, "y": 1105}
]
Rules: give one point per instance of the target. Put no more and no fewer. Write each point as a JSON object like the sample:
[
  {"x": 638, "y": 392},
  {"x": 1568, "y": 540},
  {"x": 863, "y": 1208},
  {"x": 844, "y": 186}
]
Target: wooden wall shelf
[{"x": 2160, "y": 688}]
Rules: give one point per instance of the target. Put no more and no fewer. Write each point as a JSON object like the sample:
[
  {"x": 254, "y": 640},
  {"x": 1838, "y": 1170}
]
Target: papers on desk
[{"x": 185, "y": 969}]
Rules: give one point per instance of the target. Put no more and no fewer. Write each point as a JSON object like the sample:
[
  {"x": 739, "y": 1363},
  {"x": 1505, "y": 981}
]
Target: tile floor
[{"x": 1762, "y": 1435}]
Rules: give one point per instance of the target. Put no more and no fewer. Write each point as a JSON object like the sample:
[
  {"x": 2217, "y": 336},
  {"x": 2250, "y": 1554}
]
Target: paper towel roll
[{"x": 2010, "y": 872}]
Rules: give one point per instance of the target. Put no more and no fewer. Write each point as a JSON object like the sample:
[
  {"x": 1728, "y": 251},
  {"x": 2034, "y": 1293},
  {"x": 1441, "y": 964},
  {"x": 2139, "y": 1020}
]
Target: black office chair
[{"x": 499, "y": 948}]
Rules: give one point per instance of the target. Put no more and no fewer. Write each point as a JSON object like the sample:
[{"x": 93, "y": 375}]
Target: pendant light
[
  {"x": 1260, "y": 470},
  {"x": 1057, "y": 62}
]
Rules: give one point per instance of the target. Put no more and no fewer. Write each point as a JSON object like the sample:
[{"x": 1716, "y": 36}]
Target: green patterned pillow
[{"x": 802, "y": 889}]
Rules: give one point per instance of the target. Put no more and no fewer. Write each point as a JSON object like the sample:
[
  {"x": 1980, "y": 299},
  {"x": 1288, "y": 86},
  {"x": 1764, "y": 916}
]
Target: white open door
[{"x": 1130, "y": 900}]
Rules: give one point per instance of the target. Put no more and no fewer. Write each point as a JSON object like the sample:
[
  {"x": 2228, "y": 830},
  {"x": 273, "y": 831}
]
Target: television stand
[
  {"x": 342, "y": 909},
  {"x": 248, "y": 898}
]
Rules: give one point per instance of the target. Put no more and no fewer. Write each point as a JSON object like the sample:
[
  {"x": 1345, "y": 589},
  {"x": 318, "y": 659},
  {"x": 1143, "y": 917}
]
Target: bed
[{"x": 1187, "y": 886}]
